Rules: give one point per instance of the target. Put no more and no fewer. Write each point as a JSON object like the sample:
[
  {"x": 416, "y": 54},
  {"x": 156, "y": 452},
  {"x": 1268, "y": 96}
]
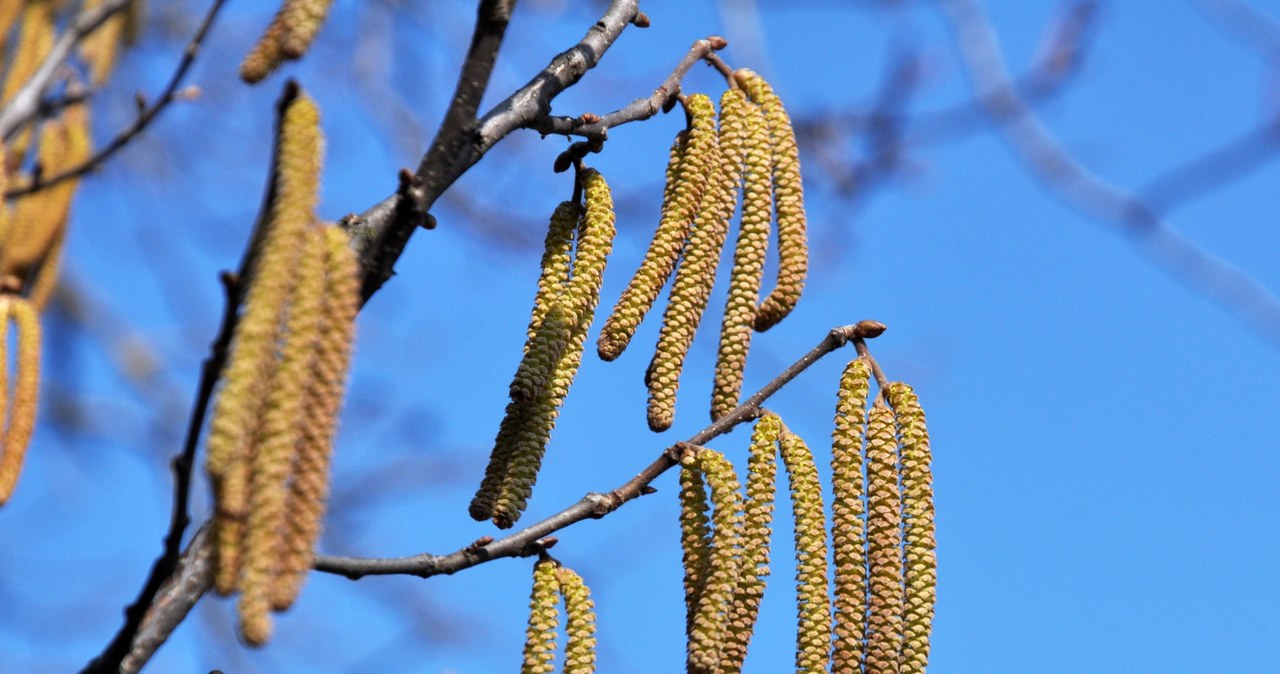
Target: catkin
[
  {"x": 697, "y": 272},
  {"x": 21, "y": 409},
  {"x": 748, "y": 268},
  {"x": 884, "y": 544},
  {"x": 35, "y": 39},
  {"x": 309, "y": 488},
  {"x": 920, "y": 568},
  {"x": 287, "y": 37},
  {"x": 848, "y": 530},
  {"x": 580, "y": 623},
  {"x": 276, "y": 444},
  {"x": 708, "y": 631},
  {"x": 101, "y": 48},
  {"x": 757, "y": 523},
  {"x": 544, "y": 619},
  {"x": 695, "y": 537},
  {"x": 788, "y": 204},
  {"x": 813, "y": 603},
  {"x": 251, "y": 362},
  {"x": 526, "y": 429},
  {"x": 691, "y": 164}
]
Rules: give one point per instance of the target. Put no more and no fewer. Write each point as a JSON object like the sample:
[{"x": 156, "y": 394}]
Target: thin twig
[
  {"x": 593, "y": 505},
  {"x": 140, "y": 123},
  {"x": 1081, "y": 189},
  {"x": 26, "y": 103}
]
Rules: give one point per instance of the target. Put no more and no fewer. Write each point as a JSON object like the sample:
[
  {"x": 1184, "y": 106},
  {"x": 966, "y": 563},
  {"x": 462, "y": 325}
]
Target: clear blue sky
[{"x": 1104, "y": 435}]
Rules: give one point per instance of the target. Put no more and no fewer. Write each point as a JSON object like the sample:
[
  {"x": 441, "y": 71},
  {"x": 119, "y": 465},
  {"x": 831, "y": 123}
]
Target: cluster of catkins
[
  {"x": 34, "y": 226},
  {"x": 579, "y": 240},
  {"x": 882, "y": 534},
  {"x": 753, "y": 151},
  {"x": 551, "y": 584},
  {"x": 282, "y": 386},
  {"x": 287, "y": 37}
]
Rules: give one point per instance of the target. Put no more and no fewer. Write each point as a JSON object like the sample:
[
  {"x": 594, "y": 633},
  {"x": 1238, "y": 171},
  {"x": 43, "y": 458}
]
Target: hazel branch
[{"x": 594, "y": 505}]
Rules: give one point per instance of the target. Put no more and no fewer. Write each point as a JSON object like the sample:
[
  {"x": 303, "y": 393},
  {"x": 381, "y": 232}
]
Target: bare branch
[
  {"x": 140, "y": 123},
  {"x": 26, "y": 103},
  {"x": 1081, "y": 189},
  {"x": 593, "y": 505}
]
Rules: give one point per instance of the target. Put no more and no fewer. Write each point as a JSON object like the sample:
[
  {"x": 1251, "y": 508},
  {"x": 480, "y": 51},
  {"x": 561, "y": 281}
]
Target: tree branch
[
  {"x": 1081, "y": 189},
  {"x": 26, "y": 103},
  {"x": 140, "y": 123},
  {"x": 594, "y": 505}
]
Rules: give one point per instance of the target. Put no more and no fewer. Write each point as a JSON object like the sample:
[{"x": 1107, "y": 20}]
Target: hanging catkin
[
  {"x": 697, "y": 272},
  {"x": 707, "y": 632},
  {"x": 580, "y": 623},
  {"x": 251, "y": 362},
  {"x": 287, "y": 37},
  {"x": 920, "y": 568},
  {"x": 813, "y": 603},
  {"x": 757, "y": 523},
  {"x": 544, "y": 619},
  {"x": 788, "y": 203},
  {"x": 20, "y": 411},
  {"x": 526, "y": 428},
  {"x": 691, "y": 163},
  {"x": 748, "y": 268},
  {"x": 848, "y": 529},
  {"x": 884, "y": 544}
]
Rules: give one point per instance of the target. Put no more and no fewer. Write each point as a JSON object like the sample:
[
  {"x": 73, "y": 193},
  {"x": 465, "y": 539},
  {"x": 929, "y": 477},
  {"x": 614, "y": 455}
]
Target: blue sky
[{"x": 1103, "y": 434}]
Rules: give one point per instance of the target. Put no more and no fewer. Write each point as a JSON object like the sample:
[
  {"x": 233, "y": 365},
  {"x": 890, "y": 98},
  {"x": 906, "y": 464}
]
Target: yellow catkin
[
  {"x": 813, "y": 602},
  {"x": 101, "y": 48},
  {"x": 9, "y": 12},
  {"x": 691, "y": 164},
  {"x": 267, "y": 53},
  {"x": 757, "y": 524},
  {"x": 848, "y": 530},
  {"x": 697, "y": 273},
  {"x": 748, "y": 268},
  {"x": 309, "y": 490},
  {"x": 557, "y": 257},
  {"x": 788, "y": 204},
  {"x": 544, "y": 620},
  {"x": 580, "y": 623},
  {"x": 543, "y": 348},
  {"x": 695, "y": 537},
  {"x": 249, "y": 365},
  {"x": 884, "y": 544},
  {"x": 26, "y": 389},
  {"x": 919, "y": 547},
  {"x": 302, "y": 21},
  {"x": 35, "y": 39},
  {"x": 277, "y": 442},
  {"x": 708, "y": 634},
  {"x": 41, "y": 285}
]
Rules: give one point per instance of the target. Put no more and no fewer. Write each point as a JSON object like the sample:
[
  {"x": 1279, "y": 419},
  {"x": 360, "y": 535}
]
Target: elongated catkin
[
  {"x": 544, "y": 620},
  {"x": 287, "y": 37},
  {"x": 707, "y": 635},
  {"x": 748, "y": 269},
  {"x": 848, "y": 513},
  {"x": 788, "y": 204},
  {"x": 692, "y": 165},
  {"x": 697, "y": 272},
  {"x": 884, "y": 543},
  {"x": 21, "y": 408},
  {"x": 919, "y": 547},
  {"x": 579, "y": 623},
  {"x": 813, "y": 603}
]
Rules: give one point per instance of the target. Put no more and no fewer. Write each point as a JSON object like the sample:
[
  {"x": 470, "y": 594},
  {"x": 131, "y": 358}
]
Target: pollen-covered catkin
[
  {"x": 708, "y": 634},
  {"x": 21, "y": 409},
  {"x": 35, "y": 39},
  {"x": 695, "y": 536},
  {"x": 848, "y": 529},
  {"x": 788, "y": 204},
  {"x": 884, "y": 544},
  {"x": 544, "y": 620},
  {"x": 748, "y": 269},
  {"x": 251, "y": 362},
  {"x": 101, "y": 47},
  {"x": 309, "y": 488},
  {"x": 287, "y": 37},
  {"x": 813, "y": 602},
  {"x": 919, "y": 548},
  {"x": 694, "y": 160},
  {"x": 757, "y": 521},
  {"x": 697, "y": 272},
  {"x": 580, "y": 623},
  {"x": 596, "y": 232}
]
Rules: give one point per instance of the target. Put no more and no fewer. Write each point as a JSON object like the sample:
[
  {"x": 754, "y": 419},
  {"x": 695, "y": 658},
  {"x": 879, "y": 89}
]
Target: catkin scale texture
[
  {"x": 848, "y": 512},
  {"x": 691, "y": 164},
  {"x": 544, "y": 619},
  {"x": 884, "y": 544},
  {"x": 813, "y": 603},
  {"x": 287, "y": 37},
  {"x": 697, "y": 272},
  {"x": 580, "y": 623},
  {"x": 707, "y": 632},
  {"x": 919, "y": 547}
]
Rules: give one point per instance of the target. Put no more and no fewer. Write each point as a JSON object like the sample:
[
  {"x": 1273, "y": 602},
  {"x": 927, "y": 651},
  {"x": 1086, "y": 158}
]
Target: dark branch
[
  {"x": 593, "y": 505},
  {"x": 145, "y": 115}
]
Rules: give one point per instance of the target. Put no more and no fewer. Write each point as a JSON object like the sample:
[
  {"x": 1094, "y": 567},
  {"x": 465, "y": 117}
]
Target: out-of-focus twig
[{"x": 1074, "y": 184}]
